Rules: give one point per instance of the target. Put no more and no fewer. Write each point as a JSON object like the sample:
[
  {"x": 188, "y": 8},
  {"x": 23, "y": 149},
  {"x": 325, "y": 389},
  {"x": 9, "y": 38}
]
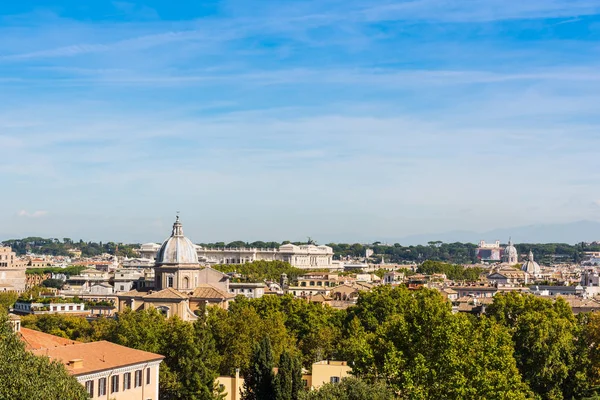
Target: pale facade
[
  {"x": 85, "y": 280},
  {"x": 12, "y": 271},
  {"x": 307, "y": 256},
  {"x": 25, "y": 307},
  {"x": 247, "y": 289}
]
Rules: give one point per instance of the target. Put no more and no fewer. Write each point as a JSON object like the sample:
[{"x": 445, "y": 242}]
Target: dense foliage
[
  {"x": 453, "y": 271},
  {"x": 68, "y": 271},
  {"x": 398, "y": 341},
  {"x": 58, "y": 247},
  {"x": 350, "y": 389},
  {"x": 26, "y": 376}
]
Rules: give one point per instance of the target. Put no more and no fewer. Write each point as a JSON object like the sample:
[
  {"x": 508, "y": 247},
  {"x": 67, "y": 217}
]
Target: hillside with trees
[{"x": 454, "y": 253}]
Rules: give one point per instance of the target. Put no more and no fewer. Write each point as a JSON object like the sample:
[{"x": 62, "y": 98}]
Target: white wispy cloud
[{"x": 34, "y": 214}]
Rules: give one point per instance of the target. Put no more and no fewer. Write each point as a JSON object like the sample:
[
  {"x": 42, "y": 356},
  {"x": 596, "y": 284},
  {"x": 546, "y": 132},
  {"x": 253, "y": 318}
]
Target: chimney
[{"x": 76, "y": 363}]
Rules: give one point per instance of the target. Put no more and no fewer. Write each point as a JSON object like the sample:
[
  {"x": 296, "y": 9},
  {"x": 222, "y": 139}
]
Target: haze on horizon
[{"x": 340, "y": 120}]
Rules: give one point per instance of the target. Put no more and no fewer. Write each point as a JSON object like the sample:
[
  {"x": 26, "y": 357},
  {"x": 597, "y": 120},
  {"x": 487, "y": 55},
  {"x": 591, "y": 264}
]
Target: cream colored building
[
  {"x": 12, "y": 271},
  {"x": 106, "y": 370},
  {"x": 308, "y": 256},
  {"x": 322, "y": 372}
]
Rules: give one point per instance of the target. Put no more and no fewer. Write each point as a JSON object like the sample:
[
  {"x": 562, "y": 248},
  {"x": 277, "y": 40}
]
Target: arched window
[
  {"x": 186, "y": 283},
  {"x": 163, "y": 310}
]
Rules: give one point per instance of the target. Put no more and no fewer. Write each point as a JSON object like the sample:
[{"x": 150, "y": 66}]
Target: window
[
  {"x": 170, "y": 281},
  {"x": 102, "y": 387},
  {"x": 114, "y": 384},
  {"x": 147, "y": 376},
  {"x": 334, "y": 379},
  {"x": 89, "y": 388},
  {"x": 127, "y": 380},
  {"x": 138, "y": 378},
  {"x": 122, "y": 287},
  {"x": 304, "y": 382}
]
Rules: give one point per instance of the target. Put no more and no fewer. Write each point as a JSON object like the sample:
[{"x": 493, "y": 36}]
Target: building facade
[
  {"x": 106, "y": 370},
  {"x": 307, "y": 256},
  {"x": 12, "y": 271}
]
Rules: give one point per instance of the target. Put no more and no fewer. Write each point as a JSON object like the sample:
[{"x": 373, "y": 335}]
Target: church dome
[
  {"x": 177, "y": 249},
  {"x": 510, "y": 251},
  {"x": 531, "y": 267}
]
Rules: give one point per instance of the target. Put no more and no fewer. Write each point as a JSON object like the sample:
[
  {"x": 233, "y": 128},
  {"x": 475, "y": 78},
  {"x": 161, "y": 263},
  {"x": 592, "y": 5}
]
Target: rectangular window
[
  {"x": 114, "y": 384},
  {"x": 102, "y": 387},
  {"x": 127, "y": 380},
  {"x": 138, "y": 378},
  {"x": 147, "y": 376},
  {"x": 334, "y": 379},
  {"x": 89, "y": 388}
]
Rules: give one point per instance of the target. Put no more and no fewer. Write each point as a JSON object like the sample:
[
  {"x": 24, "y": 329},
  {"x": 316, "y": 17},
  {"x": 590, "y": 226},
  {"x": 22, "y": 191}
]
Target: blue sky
[{"x": 274, "y": 120}]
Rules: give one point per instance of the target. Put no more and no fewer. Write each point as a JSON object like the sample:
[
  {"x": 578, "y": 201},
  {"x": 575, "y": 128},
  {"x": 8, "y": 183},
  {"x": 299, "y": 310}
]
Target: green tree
[
  {"x": 413, "y": 341},
  {"x": 7, "y": 299},
  {"x": 66, "y": 326},
  {"x": 53, "y": 283},
  {"x": 350, "y": 389},
  {"x": 26, "y": 376},
  {"x": 545, "y": 337},
  {"x": 191, "y": 362},
  {"x": 289, "y": 377},
  {"x": 259, "y": 380}
]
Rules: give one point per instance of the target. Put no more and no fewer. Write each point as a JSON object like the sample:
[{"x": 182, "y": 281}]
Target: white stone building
[
  {"x": 12, "y": 271},
  {"x": 306, "y": 256}
]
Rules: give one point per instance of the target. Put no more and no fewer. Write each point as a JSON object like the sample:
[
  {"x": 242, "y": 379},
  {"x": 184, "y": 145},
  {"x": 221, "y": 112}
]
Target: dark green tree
[
  {"x": 545, "y": 335},
  {"x": 289, "y": 377},
  {"x": 259, "y": 380}
]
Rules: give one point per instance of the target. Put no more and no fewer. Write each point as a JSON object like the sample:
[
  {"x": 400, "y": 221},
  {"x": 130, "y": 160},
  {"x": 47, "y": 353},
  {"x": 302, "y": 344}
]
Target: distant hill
[{"x": 572, "y": 232}]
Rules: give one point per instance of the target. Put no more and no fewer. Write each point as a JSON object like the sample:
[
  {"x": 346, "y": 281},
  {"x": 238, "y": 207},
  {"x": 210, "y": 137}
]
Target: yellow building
[
  {"x": 322, "y": 372},
  {"x": 327, "y": 372}
]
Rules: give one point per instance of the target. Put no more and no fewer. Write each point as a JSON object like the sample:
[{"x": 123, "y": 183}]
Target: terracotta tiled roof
[
  {"x": 319, "y": 298},
  {"x": 97, "y": 356},
  {"x": 35, "y": 340},
  {"x": 132, "y": 293},
  {"x": 207, "y": 291},
  {"x": 168, "y": 293}
]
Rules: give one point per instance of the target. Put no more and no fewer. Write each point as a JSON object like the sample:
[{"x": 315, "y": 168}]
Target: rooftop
[{"x": 95, "y": 356}]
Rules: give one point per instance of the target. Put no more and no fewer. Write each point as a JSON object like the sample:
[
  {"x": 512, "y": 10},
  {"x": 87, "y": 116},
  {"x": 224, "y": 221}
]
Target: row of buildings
[{"x": 308, "y": 256}]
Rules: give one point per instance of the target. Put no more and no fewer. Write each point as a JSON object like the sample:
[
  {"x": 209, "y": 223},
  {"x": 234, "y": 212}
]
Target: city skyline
[{"x": 276, "y": 121}]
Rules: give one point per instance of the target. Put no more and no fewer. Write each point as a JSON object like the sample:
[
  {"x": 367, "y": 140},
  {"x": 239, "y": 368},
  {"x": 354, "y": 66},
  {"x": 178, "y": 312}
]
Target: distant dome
[
  {"x": 510, "y": 254},
  {"x": 510, "y": 251},
  {"x": 531, "y": 267},
  {"x": 177, "y": 249}
]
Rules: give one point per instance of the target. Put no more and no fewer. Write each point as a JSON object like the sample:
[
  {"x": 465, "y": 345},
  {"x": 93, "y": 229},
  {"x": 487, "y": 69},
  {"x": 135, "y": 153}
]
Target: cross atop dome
[{"x": 177, "y": 227}]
